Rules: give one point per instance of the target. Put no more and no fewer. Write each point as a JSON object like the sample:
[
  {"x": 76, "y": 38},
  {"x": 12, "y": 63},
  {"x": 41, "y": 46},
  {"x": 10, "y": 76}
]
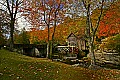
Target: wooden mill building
[{"x": 77, "y": 41}]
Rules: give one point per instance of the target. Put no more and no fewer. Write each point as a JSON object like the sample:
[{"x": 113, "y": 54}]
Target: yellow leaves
[
  {"x": 1, "y": 74},
  {"x": 57, "y": 71},
  {"x": 11, "y": 75}
]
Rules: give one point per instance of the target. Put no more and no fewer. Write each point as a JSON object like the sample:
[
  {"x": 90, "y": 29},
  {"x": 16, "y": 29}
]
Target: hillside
[
  {"x": 15, "y": 66},
  {"x": 62, "y": 31}
]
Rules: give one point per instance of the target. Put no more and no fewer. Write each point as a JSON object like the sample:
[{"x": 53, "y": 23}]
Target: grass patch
[{"x": 14, "y": 66}]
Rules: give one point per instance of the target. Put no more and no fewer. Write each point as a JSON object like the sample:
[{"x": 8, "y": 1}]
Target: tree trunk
[
  {"x": 91, "y": 54},
  {"x": 51, "y": 49},
  {"x": 90, "y": 30},
  {"x": 47, "y": 50},
  {"x": 52, "y": 41},
  {"x": 48, "y": 44},
  {"x": 90, "y": 37},
  {"x": 11, "y": 35}
]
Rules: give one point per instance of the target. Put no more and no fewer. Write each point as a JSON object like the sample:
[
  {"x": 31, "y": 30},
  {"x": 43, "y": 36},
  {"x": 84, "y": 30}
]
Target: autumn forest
[{"x": 50, "y": 22}]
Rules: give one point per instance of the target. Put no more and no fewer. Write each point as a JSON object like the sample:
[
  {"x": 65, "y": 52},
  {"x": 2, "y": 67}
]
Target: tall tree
[
  {"x": 91, "y": 29},
  {"x": 44, "y": 13},
  {"x": 11, "y": 6}
]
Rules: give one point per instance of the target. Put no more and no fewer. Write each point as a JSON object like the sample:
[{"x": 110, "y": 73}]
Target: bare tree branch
[{"x": 98, "y": 21}]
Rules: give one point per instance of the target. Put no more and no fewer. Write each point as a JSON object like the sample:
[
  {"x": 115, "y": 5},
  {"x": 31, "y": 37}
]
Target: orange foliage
[
  {"x": 37, "y": 9},
  {"x": 110, "y": 23},
  {"x": 61, "y": 33}
]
